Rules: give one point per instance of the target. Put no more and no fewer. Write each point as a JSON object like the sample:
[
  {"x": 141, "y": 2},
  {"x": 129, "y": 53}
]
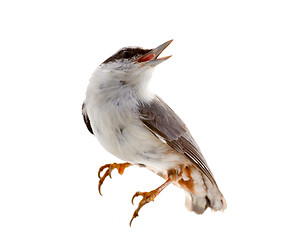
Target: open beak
[{"x": 151, "y": 59}]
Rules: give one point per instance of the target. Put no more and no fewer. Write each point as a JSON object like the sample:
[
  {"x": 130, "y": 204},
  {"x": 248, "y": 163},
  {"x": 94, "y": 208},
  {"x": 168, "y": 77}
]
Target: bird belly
[{"x": 124, "y": 135}]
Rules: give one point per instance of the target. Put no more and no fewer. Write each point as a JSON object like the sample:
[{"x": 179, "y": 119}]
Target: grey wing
[
  {"x": 163, "y": 122},
  {"x": 86, "y": 118}
]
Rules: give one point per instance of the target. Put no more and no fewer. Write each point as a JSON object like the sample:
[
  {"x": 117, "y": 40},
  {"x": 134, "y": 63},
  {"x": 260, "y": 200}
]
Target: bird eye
[{"x": 126, "y": 54}]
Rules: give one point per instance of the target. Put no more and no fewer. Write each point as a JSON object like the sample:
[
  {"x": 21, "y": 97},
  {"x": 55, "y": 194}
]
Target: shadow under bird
[{"x": 137, "y": 126}]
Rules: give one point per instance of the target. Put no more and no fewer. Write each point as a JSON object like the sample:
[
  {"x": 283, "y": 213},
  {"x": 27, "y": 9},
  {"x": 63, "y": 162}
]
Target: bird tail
[{"x": 198, "y": 204}]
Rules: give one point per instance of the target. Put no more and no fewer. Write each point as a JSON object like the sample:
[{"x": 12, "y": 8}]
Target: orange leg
[
  {"x": 110, "y": 167},
  {"x": 147, "y": 197}
]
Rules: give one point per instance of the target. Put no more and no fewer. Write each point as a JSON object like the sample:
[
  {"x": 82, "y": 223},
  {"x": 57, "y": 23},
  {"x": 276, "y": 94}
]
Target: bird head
[
  {"x": 131, "y": 63},
  {"x": 133, "y": 58},
  {"x": 129, "y": 69}
]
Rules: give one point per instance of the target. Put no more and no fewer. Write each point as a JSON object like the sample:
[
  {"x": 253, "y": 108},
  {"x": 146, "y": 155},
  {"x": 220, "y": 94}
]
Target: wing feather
[
  {"x": 163, "y": 122},
  {"x": 86, "y": 118}
]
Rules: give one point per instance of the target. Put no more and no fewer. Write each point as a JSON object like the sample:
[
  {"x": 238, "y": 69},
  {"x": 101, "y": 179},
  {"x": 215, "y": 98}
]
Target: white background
[{"x": 226, "y": 80}]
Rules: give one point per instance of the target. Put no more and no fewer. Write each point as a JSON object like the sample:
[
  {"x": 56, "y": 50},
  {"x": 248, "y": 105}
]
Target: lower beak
[{"x": 151, "y": 59}]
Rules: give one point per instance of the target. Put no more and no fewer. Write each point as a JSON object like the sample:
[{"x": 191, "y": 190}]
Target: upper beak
[{"x": 151, "y": 59}]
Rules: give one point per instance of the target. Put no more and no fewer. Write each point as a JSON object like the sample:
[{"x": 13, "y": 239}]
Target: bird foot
[
  {"x": 147, "y": 197},
  {"x": 110, "y": 167}
]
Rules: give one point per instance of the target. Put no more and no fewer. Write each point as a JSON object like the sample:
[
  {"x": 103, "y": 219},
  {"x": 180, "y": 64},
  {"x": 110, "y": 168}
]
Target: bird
[{"x": 138, "y": 127}]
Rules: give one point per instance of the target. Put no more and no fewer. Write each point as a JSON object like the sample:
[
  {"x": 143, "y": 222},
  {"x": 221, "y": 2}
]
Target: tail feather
[
  {"x": 196, "y": 204},
  {"x": 199, "y": 204}
]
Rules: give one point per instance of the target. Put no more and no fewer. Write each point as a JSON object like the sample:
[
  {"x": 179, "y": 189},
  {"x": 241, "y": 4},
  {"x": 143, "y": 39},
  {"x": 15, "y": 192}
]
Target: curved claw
[
  {"x": 147, "y": 197},
  {"x": 136, "y": 195},
  {"x": 120, "y": 166},
  {"x": 102, "y": 168},
  {"x": 134, "y": 216},
  {"x": 102, "y": 179}
]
